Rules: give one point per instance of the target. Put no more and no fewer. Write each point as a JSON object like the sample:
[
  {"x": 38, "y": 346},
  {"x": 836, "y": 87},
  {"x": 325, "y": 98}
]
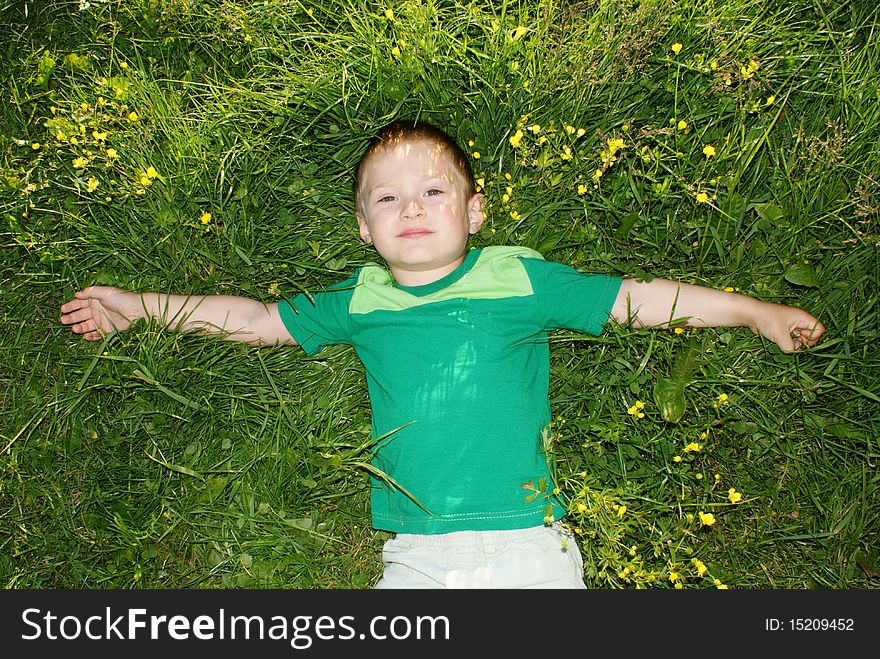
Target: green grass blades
[{"x": 207, "y": 147}]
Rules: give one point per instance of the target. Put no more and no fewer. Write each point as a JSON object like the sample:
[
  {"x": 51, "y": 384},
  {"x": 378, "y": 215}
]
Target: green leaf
[
  {"x": 770, "y": 213},
  {"x": 802, "y": 274}
]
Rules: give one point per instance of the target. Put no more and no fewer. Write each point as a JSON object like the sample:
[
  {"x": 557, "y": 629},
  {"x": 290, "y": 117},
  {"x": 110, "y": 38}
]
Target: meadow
[{"x": 207, "y": 147}]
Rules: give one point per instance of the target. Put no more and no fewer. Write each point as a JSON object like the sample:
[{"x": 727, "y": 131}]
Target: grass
[{"x": 157, "y": 460}]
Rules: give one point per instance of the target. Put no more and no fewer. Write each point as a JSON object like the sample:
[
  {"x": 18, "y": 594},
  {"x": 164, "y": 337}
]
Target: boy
[{"x": 453, "y": 342}]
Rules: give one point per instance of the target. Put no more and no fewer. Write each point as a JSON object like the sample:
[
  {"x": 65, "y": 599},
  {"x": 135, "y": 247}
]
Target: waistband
[{"x": 485, "y": 539}]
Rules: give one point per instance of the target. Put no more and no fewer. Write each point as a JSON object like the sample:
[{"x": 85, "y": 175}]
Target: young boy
[{"x": 453, "y": 342}]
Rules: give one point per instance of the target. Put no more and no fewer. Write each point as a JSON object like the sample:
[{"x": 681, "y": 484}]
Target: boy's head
[
  {"x": 416, "y": 201},
  {"x": 401, "y": 132}
]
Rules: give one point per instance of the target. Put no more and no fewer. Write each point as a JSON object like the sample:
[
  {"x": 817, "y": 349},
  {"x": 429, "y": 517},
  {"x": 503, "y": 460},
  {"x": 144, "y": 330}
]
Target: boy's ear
[
  {"x": 475, "y": 212},
  {"x": 364, "y": 229}
]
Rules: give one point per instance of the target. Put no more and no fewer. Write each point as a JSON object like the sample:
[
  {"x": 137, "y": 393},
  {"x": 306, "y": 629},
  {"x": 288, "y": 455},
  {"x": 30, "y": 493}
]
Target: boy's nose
[{"x": 412, "y": 210}]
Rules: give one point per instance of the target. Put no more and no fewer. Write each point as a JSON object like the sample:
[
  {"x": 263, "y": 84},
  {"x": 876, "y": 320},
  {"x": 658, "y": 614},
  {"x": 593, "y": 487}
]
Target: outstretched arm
[
  {"x": 100, "y": 310},
  {"x": 661, "y": 302}
]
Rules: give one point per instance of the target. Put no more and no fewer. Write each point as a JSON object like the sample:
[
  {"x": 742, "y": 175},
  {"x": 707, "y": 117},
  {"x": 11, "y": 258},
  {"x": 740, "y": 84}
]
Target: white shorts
[{"x": 540, "y": 557}]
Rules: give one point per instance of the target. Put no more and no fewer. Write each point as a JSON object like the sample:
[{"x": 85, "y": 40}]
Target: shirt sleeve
[
  {"x": 317, "y": 320},
  {"x": 569, "y": 299}
]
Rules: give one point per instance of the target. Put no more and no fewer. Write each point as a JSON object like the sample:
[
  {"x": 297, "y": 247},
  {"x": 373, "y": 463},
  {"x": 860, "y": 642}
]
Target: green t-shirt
[{"x": 458, "y": 374}]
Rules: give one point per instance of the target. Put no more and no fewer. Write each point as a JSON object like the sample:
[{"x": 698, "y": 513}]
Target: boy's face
[{"x": 413, "y": 207}]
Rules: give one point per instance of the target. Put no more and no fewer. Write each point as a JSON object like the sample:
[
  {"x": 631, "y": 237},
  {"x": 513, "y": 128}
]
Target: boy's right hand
[{"x": 97, "y": 311}]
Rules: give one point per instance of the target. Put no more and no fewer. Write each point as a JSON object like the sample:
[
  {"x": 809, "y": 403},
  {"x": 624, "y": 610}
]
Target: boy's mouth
[{"x": 415, "y": 232}]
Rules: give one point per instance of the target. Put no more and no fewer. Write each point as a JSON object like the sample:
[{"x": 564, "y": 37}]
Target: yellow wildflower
[
  {"x": 99, "y": 136},
  {"x": 597, "y": 175},
  {"x": 389, "y": 14},
  {"x": 151, "y": 172},
  {"x": 621, "y": 511},
  {"x": 566, "y": 153},
  {"x": 35, "y": 145},
  {"x": 515, "y": 215},
  {"x": 693, "y": 447},
  {"x": 677, "y": 458},
  {"x": 92, "y": 184},
  {"x": 702, "y": 197},
  {"x": 719, "y": 585},
  {"x": 518, "y": 32},
  {"x": 111, "y": 153},
  {"x": 516, "y": 138},
  {"x": 205, "y": 218},
  {"x": 701, "y": 567},
  {"x": 582, "y": 507},
  {"x": 133, "y": 116},
  {"x": 734, "y": 496},
  {"x": 723, "y": 398},
  {"x": 395, "y": 51},
  {"x": 682, "y": 125},
  {"x": 689, "y": 517},
  {"x": 728, "y": 289},
  {"x": 123, "y": 65},
  {"x": 60, "y": 136},
  {"x": 709, "y": 150},
  {"x": 73, "y": 140},
  {"x": 676, "y": 48},
  {"x": 144, "y": 180},
  {"x": 707, "y": 519},
  {"x": 80, "y": 163},
  {"x": 549, "y": 519},
  {"x": 582, "y": 189},
  {"x": 770, "y": 100},
  {"x": 679, "y": 330}
]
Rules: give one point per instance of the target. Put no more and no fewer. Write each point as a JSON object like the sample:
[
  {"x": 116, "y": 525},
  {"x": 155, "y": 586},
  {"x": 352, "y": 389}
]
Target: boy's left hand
[{"x": 788, "y": 327}]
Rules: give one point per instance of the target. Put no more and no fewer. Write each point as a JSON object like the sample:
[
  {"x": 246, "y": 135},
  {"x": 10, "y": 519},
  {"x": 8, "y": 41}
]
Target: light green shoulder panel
[{"x": 498, "y": 273}]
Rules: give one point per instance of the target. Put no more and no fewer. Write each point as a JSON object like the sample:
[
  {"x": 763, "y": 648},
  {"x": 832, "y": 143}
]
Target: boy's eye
[
  {"x": 433, "y": 192},
  {"x": 385, "y": 198}
]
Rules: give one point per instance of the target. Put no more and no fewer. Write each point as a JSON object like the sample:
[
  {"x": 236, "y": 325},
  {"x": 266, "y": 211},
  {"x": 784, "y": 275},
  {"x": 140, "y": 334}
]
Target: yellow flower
[
  {"x": 151, "y": 172},
  {"x": 123, "y": 65},
  {"x": 395, "y": 51},
  {"x": 722, "y": 398},
  {"x": 709, "y": 150},
  {"x": 205, "y": 218},
  {"x": 677, "y": 458},
  {"x": 35, "y": 145},
  {"x": 621, "y": 511},
  {"x": 92, "y": 184},
  {"x": 515, "y": 215},
  {"x": 476, "y": 155},
  {"x": 701, "y": 567},
  {"x": 99, "y": 136},
  {"x": 518, "y": 32},
  {"x": 566, "y": 154},
  {"x": 582, "y": 189},
  {"x": 693, "y": 447},
  {"x": 133, "y": 116},
  {"x": 80, "y": 163},
  {"x": 719, "y": 585},
  {"x": 702, "y": 197},
  {"x": 707, "y": 519},
  {"x": 597, "y": 175},
  {"x": 111, "y": 153},
  {"x": 679, "y": 330},
  {"x": 713, "y": 65},
  {"x": 582, "y": 507},
  {"x": 699, "y": 477},
  {"x": 734, "y": 496},
  {"x": 549, "y": 519},
  {"x": 516, "y": 138},
  {"x": 728, "y": 289},
  {"x": 481, "y": 182},
  {"x": 682, "y": 125},
  {"x": 674, "y": 576},
  {"x": 389, "y": 14},
  {"x": 689, "y": 517},
  {"x": 145, "y": 181},
  {"x": 61, "y": 137},
  {"x": 676, "y": 48},
  {"x": 73, "y": 140},
  {"x": 770, "y": 100}
]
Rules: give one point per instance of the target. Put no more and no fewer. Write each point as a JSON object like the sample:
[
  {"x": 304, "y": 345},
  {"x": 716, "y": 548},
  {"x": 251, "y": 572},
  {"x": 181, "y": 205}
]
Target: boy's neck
[{"x": 405, "y": 277}]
